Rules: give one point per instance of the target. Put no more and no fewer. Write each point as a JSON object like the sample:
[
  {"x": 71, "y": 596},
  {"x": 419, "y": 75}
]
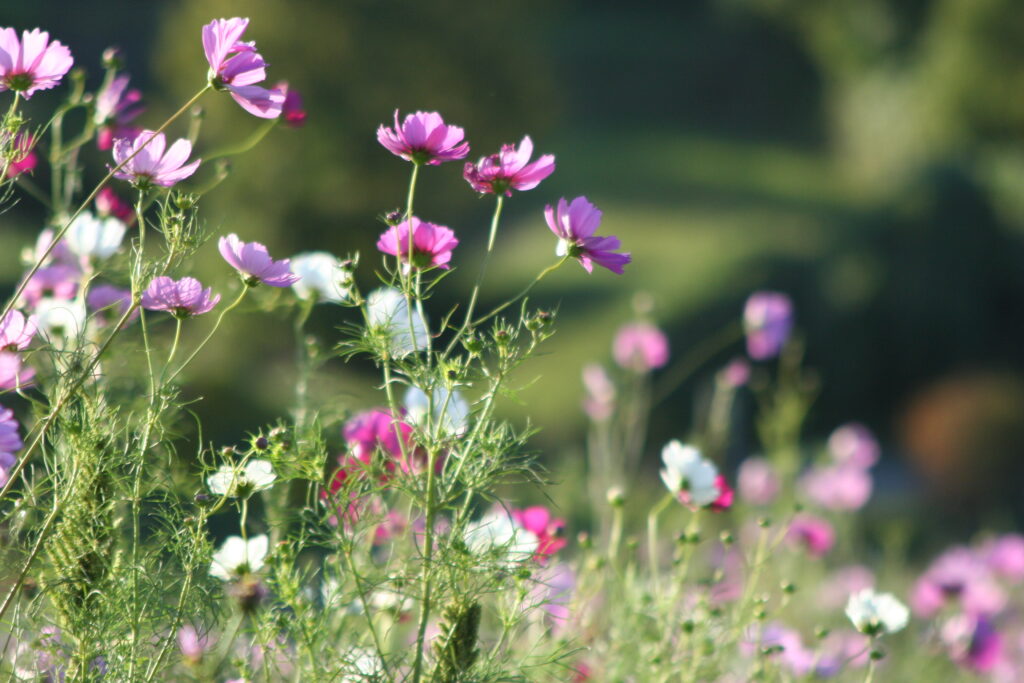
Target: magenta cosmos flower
[
  {"x": 424, "y": 138},
  {"x": 147, "y": 161},
  {"x": 33, "y": 63},
  {"x": 293, "y": 109},
  {"x": 575, "y": 223},
  {"x": 235, "y": 66},
  {"x": 508, "y": 170},
  {"x": 767, "y": 321},
  {"x": 254, "y": 264},
  {"x": 431, "y": 244},
  {"x": 24, "y": 158},
  {"x": 116, "y": 107},
  {"x": 16, "y": 331},
  {"x": 181, "y": 298},
  {"x": 640, "y": 347}
]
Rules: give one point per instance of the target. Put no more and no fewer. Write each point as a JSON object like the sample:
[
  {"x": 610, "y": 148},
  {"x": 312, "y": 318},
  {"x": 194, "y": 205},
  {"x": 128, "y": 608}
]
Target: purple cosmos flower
[
  {"x": 575, "y": 223},
  {"x": 181, "y": 298},
  {"x": 853, "y": 444},
  {"x": 973, "y": 642},
  {"x": 431, "y": 244},
  {"x": 116, "y": 107},
  {"x": 58, "y": 281},
  {"x": 757, "y": 481},
  {"x": 16, "y": 331},
  {"x": 424, "y": 138},
  {"x": 112, "y": 299},
  {"x": 812, "y": 533},
  {"x": 254, "y": 264},
  {"x": 293, "y": 109},
  {"x": 640, "y": 347},
  {"x": 767, "y": 321},
  {"x": 837, "y": 487},
  {"x": 236, "y": 67},
  {"x": 9, "y": 439},
  {"x": 151, "y": 164},
  {"x": 508, "y": 170},
  {"x": 34, "y": 63},
  {"x": 12, "y": 374}
]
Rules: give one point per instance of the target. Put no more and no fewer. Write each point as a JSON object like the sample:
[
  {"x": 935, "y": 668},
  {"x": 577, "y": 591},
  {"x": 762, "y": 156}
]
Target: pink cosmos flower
[
  {"x": 33, "y": 63},
  {"x": 725, "y": 495},
  {"x": 961, "y": 577},
  {"x": 767, "y": 321},
  {"x": 424, "y": 138},
  {"x": 25, "y": 158},
  {"x": 116, "y": 108},
  {"x": 109, "y": 204},
  {"x": 58, "y": 281},
  {"x": 375, "y": 429},
  {"x": 640, "y": 347},
  {"x": 293, "y": 109},
  {"x": 758, "y": 482},
  {"x": 508, "y": 170},
  {"x": 973, "y": 642},
  {"x": 843, "y": 582},
  {"x": 60, "y": 252},
  {"x": 853, "y": 444},
  {"x": 12, "y": 374},
  {"x": 812, "y": 533},
  {"x": 1005, "y": 556},
  {"x": 112, "y": 300},
  {"x": 181, "y": 298},
  {"x": 575, "y": 223},
  {"x": 192, "y": 645},
  {"x": 599, "y": 403},
  {"x": 549, "y": 530},
  {"x": 837, "y": 487},
  {"x": 432, "y": 244},
  {"x": 16, "y": 331},
  {"x": 253, "y": 263},
  {"x": 145, "y": 161},
  {"x": 236, "y": 67},
  {"x": 735, "y": 374}
]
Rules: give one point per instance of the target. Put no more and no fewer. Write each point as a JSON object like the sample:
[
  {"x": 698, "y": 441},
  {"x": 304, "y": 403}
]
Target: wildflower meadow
[{"x": 418, "y": 534}]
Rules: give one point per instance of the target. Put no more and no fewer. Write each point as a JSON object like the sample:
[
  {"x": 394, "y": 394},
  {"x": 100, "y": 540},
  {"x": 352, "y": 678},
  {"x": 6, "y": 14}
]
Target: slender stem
[
  {"x": 174, "y": 347},
  {"x": 254, "y": 139},
  {"x": 92, "y": 195},
  {"x": 693, "y": 361},
  {"x": 7, "y": 122},
  {"x": 428, "y": 555},
  {"x": 652, "y": 537},
  {"x": 526, "y": 290},
  {"x": 499, "y": 203},
  {"x": 245, "y": 288}
]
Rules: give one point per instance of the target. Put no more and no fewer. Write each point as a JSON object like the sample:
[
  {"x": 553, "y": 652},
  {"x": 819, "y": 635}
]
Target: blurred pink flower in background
[
  {"x": 736, "y": 373},
  {"x": 837, "y": 487},
  {"x": 110, "y": 300},
  {"x": 432, "y": 244},
  {"x": 25, "y": 158},
  {"x": 32, "y": 63},
  {"x": 1005, "y": 556},
  {"x": 57, "y": 281},
  {"x": 116, "y": 108},
  {"x": 293, "y": 109},
  {"x": 959, "y": 577},
  {"x": 599, "y": 402},
  {"x": 424, "y": 138},
  {"x": 108, "y": 203},
  {"x": 549, "y": 530},
  {"x": 757, "y": 481},
  {"x": 641, "y": 347},
  {"x": 508, "y": 170},
  {"x": 812, "y": 533},
  {"x": 767, "y": 322},
  {"x": 838, "y": 586},
  {"x": 853, "y": 444},
  {"x": 973, "y": 642}
]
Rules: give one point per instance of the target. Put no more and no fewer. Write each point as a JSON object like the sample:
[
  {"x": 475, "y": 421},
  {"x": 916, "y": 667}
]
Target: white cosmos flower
[
  {"x": 386, "y": 308},
  {"x": 687, "y": 470},
  {"x": 235, "y": 482},
  {"x": 238, "y": 556},
  {"x": 92, "y": 237},
  {"x": 60, "y": 321},
  {"x": 876, "y": 613},
  {"x": 321, "y": 277},
  {"x": 363, "y": 665},
  {"x": 498, "y": 531},
  {"x": 451, "y": 411}
]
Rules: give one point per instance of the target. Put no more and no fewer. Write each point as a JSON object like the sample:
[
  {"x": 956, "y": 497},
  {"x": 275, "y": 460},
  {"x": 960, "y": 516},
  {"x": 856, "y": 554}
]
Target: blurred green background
[{"x": 864, "y": 156}]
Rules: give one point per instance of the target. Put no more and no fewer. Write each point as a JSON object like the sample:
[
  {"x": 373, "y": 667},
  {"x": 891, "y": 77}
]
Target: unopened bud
[{"x": 616, "y": 497}]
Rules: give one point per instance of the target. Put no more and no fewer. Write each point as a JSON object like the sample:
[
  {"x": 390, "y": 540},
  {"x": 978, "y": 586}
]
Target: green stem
[
  {"x": 480, "y": 276},
  {"x": 245, "y": 288},
  {"x": 92, "y": 195},
  {"x": 428, "y": 554},
  {"x": 652, "y": 537},
  {"x": 526, "y": 290},
  {"x": 254, "y": 139}
]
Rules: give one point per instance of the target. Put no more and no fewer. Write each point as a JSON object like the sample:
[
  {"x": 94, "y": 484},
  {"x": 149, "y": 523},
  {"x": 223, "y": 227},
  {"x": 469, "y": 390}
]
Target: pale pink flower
[
  {"x": 973, "y": 642},
  {"x": 12, "y": 374},
  {"x": 812, "y": 533},
  {"x": 508, "y": 170},
  {"x": 599, "y": 403},
  {"x": 181, "y": 298},
  {"x": 147, "y": 160},
  {"x": 110, "y": 299},
  {"x": 767, "y": 321},
  {"x": 33, "y": 63},
  {"x": 254, "y": 263},
  {"x": 432, "y": 244},
  {"x": 424, "y": 138},
  {"x": 1005, "y": 556},
  {"x": 59, "y": 254},
  {"x": 837, "y": 487},
  {"x": 16, "y": 331},
  {"x": 116, "y": 108},
  {"x": 235, "y": 66},
  {"x": 192, "y": 645},
  {"x": 641, "y": 347},
  {"x": 836, "y": 589},
  {"x": 58, "y": 281},
  {"x": 757, "y": 481},
  {"x": 735, "y": 374},
  {"x": 957, "y": 576},
  {"x": 575, "y": 224},
  {"x": 853, "y": 444}
]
